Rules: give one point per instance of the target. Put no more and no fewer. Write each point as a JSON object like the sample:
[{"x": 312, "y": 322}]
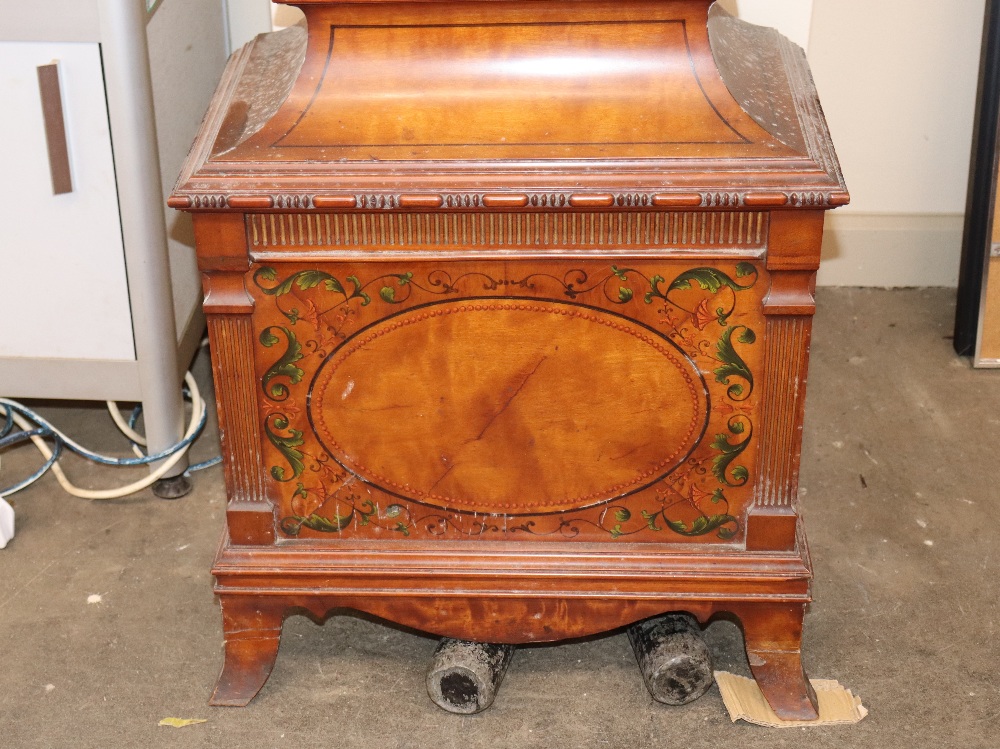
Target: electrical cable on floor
[
  {"x": 130, "y": 433},
  {"x": 37, "y": 429}
]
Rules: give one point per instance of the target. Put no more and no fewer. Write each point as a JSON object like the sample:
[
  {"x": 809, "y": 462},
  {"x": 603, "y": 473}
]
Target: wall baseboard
[{"x": 891, "y": 250}]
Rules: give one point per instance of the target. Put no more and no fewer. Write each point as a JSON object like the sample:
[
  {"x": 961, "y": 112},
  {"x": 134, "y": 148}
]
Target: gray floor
[{"x": 900, "y": 481}]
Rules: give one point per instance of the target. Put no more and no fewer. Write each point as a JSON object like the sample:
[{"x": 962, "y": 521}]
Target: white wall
[
  {"x": 247, "y": 18},
  {"x": 285, "y": 15},
  {"x": 898, "y": 82},
  {"x": 793, "y": 18}
]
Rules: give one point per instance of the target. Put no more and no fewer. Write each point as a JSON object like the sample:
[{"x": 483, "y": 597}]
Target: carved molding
[
  {"x": 278, "y": 231},
  {"x": 250, "y": 513},
  {"x": 810, "y": 114},
  {"x": 207, "y": 201},
  {"x": 811, "y": 199},
  {"x": 791, "y": 293},
  {"x": 547, "y": 200},
  {"x": 287, "y": 202},
  {"x": 226, "y": 294},
  {"x": 785, "y": 367},
  {"x": 232, "y": 354}
]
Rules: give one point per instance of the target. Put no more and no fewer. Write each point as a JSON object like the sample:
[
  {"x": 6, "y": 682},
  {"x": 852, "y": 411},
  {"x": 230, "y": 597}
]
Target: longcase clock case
[{"x": 510, "y": 306}]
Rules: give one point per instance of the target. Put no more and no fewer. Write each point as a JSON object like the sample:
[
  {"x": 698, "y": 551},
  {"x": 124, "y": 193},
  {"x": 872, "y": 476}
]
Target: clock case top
[{"x": 513, "y": 104}]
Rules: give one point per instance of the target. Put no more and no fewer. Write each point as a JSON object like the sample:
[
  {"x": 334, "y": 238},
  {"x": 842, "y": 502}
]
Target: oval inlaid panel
[{"x": 508, "y": 406}]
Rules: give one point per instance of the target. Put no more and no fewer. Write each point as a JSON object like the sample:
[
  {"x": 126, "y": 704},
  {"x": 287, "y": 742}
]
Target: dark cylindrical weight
[
  {"x": 465, "y": 676},
  {"x": 675, "y": 662}
]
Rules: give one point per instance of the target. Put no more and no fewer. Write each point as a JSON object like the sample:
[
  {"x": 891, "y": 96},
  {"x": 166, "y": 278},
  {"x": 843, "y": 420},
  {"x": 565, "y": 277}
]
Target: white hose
[
  {"x": 120, "y": 422},
  {"x": 197, "y": 408},
  {"x": 136, "y": 438}
]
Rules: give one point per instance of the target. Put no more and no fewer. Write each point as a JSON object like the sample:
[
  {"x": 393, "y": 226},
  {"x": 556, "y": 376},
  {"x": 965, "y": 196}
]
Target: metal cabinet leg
[{"x": 137, "y": 168}]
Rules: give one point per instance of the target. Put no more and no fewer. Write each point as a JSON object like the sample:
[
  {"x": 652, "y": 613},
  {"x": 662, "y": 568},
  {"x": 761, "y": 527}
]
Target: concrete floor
[{"x": 900, "y": 484}]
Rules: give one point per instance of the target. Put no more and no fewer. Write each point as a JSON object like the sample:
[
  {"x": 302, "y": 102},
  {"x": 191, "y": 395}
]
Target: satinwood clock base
[{"x": 510, "y": 306}]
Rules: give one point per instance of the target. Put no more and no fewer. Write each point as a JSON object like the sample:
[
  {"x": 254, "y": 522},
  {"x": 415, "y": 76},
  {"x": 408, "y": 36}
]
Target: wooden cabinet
[{"x": 510, "y": 306}]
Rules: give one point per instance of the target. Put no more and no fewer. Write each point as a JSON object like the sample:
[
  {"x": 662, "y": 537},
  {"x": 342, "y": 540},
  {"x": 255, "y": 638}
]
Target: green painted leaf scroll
[
  {"x": 366, "y": 512},
  {"x": 287, "y": 445},
  {"x": 362, "y": 513},
  {"x": 733, "y": 364},
  {"x": 284, "y": 367},
  {"x": 305, "y": 280},
  {"x": 704, "y": 525},
  {"x": 292, "y": 525},
  {"x": 650, "y": 518},
  {"x": 388, "y": 293},
  {"x": 357, "y": 292},
  {"x": 711, "y": 279},
  {"x": 730, "y": 451},
  {"x": 654, "y": 290}
]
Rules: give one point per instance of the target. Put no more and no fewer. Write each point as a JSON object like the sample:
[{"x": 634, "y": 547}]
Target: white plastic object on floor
[{"x": 6, "y": 523}]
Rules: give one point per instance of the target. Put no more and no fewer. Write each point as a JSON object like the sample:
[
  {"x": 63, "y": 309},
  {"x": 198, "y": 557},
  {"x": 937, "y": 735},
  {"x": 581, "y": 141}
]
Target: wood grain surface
[
  {"x": 489, "y": 406},
  {"x": 510, "y": 307},
  {"x": 511, "y": 399}
]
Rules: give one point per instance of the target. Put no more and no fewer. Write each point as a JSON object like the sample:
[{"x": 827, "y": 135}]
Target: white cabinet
[
  {"x": 66, "y": 294},
  {"x": 101, "y": 294}
]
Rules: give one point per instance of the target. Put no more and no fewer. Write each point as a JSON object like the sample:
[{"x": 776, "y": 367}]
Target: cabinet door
[{"x": 66, "y": 294}]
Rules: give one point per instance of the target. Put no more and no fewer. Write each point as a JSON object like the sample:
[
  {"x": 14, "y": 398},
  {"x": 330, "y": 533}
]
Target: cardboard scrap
[
  {"x": 181, "y": 722},
  {"x": 745, "y": 701}
]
